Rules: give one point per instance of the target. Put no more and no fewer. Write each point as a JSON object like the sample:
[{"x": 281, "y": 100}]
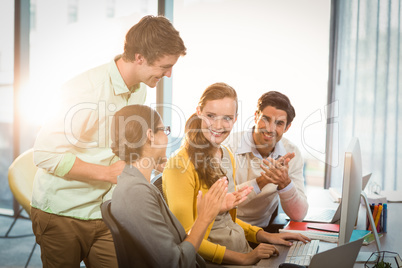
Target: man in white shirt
[
  {"x": 77, "y": 169},
  {"x": 270, "y": 163}
]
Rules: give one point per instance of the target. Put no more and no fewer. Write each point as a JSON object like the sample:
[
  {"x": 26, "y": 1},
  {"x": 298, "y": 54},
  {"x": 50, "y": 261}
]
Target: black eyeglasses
[{"x": 164, "y": 129}]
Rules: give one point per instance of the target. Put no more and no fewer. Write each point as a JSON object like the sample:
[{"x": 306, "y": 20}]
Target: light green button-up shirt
[{"x": 81, "y": 128}]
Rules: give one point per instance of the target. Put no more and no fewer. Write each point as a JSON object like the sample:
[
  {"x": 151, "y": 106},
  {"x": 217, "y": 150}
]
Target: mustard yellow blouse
[{"x": 180, "y": 186}]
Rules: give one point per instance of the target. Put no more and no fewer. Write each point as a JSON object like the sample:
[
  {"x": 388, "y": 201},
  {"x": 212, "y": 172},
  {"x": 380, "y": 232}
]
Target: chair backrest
[
  {"x": 110, "y": 221},
  {"x": 158, "y": 184},
  {"x": 21, "y": 175}
]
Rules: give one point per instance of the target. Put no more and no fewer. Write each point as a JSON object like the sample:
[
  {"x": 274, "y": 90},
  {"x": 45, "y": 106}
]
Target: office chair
[
  {"x": 21, "y": 174},
  {"x": 111, "y": 223},
  {"x": 158, "y": 184}
]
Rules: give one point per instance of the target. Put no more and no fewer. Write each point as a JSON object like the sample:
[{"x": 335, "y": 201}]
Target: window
[
  {"x": 72, "y": 11},
  {"x": 33, "y": 13},
  {"x": 6, "y": 98},
  {"x": 257, "y": 46},
  {"x": 62, "y": 44},
  {"x": 367, "y": 90},
  {"x": 110, "y": 8}
]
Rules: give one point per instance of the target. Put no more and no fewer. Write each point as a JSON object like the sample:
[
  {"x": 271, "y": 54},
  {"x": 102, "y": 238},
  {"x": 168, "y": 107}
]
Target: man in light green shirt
[{"x": 77, "y": 168}]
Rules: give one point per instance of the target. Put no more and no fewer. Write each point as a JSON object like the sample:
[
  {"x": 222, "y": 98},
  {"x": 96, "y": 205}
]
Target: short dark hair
[
  {"x": 129, "y": 128},
  {"x": 279, "y": 101},
  {"x": 153, "y": 37}
]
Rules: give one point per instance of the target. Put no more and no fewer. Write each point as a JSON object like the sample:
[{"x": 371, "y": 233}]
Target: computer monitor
[
  {"x": 352, "y": 194},
  {"x": 351, "y": 190}
]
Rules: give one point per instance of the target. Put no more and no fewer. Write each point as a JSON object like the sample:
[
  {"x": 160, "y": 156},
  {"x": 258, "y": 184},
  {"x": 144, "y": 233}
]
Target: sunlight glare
[{"x": 37, "y": 104}]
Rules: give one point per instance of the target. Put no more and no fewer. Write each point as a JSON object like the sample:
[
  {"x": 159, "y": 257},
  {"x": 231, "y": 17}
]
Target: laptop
[
  {"x": 342, "y": 256},
  {"x": 329, "y": 215}
]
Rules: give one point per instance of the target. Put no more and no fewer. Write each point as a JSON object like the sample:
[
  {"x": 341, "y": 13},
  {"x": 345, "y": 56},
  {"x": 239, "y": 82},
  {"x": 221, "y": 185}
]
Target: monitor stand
[{"x": 364, "y": 256}]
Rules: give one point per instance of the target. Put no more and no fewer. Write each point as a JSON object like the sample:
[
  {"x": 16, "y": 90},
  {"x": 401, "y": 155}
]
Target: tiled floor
[{"x": 14, "y": 252}]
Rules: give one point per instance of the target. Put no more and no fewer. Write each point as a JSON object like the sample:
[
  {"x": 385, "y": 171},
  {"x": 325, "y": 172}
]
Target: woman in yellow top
[{"x": 201, "y": 161}]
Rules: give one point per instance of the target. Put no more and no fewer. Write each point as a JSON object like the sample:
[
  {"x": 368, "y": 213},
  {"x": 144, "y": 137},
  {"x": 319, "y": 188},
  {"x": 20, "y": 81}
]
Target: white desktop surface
[{"x": 318, "y": 197}]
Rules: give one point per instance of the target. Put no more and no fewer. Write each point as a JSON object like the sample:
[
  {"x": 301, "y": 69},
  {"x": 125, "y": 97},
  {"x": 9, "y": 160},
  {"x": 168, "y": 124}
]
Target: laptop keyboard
[
  {"x": 324, "y": 215},
  {"x": 300, "y": 253}
]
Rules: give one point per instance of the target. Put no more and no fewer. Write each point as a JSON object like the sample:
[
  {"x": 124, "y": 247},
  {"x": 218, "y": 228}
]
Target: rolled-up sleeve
[
  {"x": 294, "y": 201},
  {"x": 72, "y": 128}
]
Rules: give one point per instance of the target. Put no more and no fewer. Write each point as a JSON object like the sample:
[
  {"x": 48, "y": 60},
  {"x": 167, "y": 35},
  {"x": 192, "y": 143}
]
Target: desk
[{"x": 391, "y": 241}]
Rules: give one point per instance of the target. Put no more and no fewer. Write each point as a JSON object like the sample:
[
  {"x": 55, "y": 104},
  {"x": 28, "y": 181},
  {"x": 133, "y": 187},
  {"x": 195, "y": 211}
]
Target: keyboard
[
  {"x": 300, "y": 253},
  {"x": 316, "y": 235}
]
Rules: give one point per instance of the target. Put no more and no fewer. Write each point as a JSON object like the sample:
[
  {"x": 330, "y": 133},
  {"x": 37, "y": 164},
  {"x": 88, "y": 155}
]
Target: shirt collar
[
  {"x": 247, "y": 145},
  {"x": 119, "y": 86}
]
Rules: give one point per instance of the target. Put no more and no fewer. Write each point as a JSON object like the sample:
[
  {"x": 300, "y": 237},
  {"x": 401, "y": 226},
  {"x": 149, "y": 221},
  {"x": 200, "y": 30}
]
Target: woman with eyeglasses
[
  {"x": 156, "y": 237},
  {"x": 200, "y": 162}
]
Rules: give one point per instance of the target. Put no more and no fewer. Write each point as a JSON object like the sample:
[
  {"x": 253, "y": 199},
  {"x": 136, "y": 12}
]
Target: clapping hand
[
  {"x": 283, "y": 160},
  {"x": 208, "y": 206},
  {"x": 277, "y": 171},
  {"x": 232, "y": 200}
]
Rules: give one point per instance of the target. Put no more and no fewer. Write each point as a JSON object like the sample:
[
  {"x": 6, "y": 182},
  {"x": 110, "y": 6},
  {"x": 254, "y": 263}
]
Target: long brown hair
[{"x": 199, "y": 149}]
